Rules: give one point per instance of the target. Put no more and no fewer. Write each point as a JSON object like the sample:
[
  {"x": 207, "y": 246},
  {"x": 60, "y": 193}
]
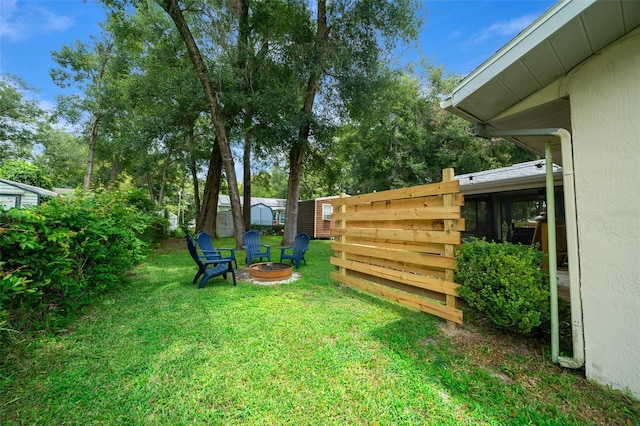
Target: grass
[{"x": 304, "y": 353}]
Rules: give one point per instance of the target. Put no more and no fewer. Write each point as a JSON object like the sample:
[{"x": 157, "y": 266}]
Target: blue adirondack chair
[
  {"x": 211, "y": 252},
  {"x": 209, "y": 268},
  {"x": 300, "y": 246},
  {"x": 255, "y": 249}
]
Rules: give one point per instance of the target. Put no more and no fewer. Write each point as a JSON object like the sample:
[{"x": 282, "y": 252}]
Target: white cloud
[
  {"x": 503, "y": 29},
  {"x": 22, "y": 20}
]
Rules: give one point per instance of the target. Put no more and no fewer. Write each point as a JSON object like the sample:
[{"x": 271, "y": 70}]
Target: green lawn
[{"x": 305, "y": 353}]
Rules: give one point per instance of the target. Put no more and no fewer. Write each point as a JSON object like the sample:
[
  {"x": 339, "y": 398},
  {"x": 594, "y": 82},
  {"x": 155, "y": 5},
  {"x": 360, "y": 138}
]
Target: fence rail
[{"x": 400, "y": 244}]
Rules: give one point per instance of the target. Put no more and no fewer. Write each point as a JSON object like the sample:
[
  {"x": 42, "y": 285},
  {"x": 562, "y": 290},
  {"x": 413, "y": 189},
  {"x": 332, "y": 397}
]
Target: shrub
[
  {"x": 24, "y": 172},
  {"x": 58, "y": 257},
  {"x": 269, "y": 229},
  {"x": 505, "y": 282}
]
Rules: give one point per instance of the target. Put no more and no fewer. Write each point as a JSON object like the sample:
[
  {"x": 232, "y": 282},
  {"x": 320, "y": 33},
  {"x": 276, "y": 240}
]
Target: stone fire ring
[{"x": 270, "y": 271}]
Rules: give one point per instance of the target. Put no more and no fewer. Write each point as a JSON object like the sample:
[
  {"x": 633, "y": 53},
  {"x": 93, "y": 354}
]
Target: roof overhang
[
  {"x": 522, "y": 85},
  {"x": 519, "y": 177}
]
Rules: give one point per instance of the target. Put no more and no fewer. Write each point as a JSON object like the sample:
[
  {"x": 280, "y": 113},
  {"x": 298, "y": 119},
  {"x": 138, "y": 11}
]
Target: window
[{"x": 327, "y": 209}]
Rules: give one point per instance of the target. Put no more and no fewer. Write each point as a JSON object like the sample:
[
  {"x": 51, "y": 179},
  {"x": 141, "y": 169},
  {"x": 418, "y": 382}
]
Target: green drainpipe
[
  {"x": 578, "y": 359},
  {"x": 553, "y": 258}
]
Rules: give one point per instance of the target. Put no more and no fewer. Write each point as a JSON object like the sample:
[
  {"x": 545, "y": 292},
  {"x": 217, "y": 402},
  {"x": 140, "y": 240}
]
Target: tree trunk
[
  {"x": 93, "y": 137},
  {"x": 246, "y": 211},
  {"x": 244, "y": 31},
  {"x": 115, "y": 164},
  {"x": 165, "y": 173},
  {"x": 296, "y": 154},
  {"x": 152, "y": 194},
  {"x": 194, "y": 175},
  {"x": 173, "y": 10},
  {"x": 206, "y": 220}
]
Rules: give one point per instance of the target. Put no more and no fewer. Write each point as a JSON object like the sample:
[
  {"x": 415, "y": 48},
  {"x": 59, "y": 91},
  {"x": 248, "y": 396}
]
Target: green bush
[
  {"x": 56, "y": 258},
  {"x": 269, "y": 229},
  {"x": 505, "y": 282}
]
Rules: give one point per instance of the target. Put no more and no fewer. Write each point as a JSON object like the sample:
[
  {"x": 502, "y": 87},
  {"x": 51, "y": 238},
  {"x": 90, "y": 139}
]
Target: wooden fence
[{"x": 399, "y": 244}]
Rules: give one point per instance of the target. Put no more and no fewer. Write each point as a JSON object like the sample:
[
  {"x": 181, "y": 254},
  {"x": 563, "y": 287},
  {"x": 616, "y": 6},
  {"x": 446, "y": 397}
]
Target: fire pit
[{"x": 270, "y": 271}]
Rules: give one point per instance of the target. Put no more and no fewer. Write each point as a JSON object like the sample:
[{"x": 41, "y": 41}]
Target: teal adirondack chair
[
  {"x": 209, "y": 268},
  {"x": 299, "y": 248},
  {"x": 255, "y": 249},
  {"x": 211, "y": 252}
]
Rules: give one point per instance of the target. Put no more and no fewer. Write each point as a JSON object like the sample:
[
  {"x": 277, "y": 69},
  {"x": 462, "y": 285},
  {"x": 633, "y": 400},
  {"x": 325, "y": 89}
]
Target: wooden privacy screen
[{"x": 399, "y": 244}]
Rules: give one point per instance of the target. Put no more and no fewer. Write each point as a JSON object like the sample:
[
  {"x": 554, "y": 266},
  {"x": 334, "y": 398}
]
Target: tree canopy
[{"x": 172, "y": 95}]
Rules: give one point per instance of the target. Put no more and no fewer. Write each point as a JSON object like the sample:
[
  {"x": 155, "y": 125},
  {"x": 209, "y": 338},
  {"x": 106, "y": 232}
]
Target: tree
[
  {"x": 89, "y": 68},
  {"x": 173, "y": 9},
  {"x": 345, "y": 43},
  {"x": 401, "y": 137},
  {"x": 62, "y": 159},
  {"x": 22, "y": 121}
]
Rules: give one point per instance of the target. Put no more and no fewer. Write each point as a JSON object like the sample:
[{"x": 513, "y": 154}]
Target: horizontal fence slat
[
  {"x": 421, "y": 281},
  {"x": 432, "y": 213},
  {"x": 440, "y": 188},
  {"x": 423, "y": 259},
  {"x": 413, "y": 235},
  {"x": 408, "y": 203},
  {"x": 424, "y": 305},
  {"x": 408, "y": 267},
  {"x": 421, "y": 247},
  {"x": 425, "y": 225}
]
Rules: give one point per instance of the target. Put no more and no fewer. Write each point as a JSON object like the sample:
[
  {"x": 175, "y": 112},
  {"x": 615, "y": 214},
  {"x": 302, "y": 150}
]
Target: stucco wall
[{"x": 605, "y": 111}]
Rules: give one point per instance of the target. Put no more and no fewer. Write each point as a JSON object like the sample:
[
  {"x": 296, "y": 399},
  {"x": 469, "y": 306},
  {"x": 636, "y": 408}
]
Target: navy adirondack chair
[
  {"x": 255, "y": 249},
  {"x": 300, "y": 246},
  {"x": 211, "y": 252},
  {"x": 209, "y": 268}
]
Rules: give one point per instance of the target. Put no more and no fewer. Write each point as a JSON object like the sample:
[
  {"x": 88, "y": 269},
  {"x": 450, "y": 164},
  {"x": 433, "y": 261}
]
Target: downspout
[{"x": 572, "y": 238}]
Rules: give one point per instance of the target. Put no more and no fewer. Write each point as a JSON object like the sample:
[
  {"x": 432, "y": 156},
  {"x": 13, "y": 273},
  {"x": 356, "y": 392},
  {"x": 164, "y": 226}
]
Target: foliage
[
  {"x": 27, "y": 173},
  {"x": 63, "y": 159},
  {"x": 21, "y": 120},
  {"x": 58, "y": 257},
  {"x": 505, "y": 282},
  {"x": 269, "y": 229},
  {"x": 399, "y": 136}
]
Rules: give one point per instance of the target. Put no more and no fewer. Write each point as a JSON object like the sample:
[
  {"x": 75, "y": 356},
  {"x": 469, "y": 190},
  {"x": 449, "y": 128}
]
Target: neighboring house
[
  {"x": 577, "y": 68},
  {"x": 264, "y": 211},
  {"x": 16, "y": 194},
  {"x": 277, "y": 205},
  {"x": 314, "y": 217},
  {"x": 499, "y": 202}
]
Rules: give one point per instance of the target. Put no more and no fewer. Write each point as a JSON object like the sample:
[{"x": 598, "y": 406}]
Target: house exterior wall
[
  {"x": 9, "y": 193},
  {"x": 605, "y": 106},
  {"x": 323, "y": 227}
]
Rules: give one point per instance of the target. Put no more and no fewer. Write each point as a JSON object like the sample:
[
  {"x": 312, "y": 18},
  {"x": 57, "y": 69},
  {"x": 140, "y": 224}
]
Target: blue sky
[{"x": 457, "y": 34}]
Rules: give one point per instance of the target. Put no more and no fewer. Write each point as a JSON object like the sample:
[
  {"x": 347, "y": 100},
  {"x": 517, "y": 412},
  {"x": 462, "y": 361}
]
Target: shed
[
  {"x": 314, "y": 217},
  {"x": 16, "y": 194},
  {"x": 261, "y": 214},
  {"x": 567, "y": 87},
  {"x": 277, "y": 205}
]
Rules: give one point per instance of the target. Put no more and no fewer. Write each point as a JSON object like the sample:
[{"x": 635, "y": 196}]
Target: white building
[
  {"x": 16, "y": 194},
  {"x": 577, "y": 68}
]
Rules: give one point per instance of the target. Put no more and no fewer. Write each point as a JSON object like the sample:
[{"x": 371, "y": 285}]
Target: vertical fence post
[
  {"x": 449, "y": 249},
  {"x": 343, "y": 238}
]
